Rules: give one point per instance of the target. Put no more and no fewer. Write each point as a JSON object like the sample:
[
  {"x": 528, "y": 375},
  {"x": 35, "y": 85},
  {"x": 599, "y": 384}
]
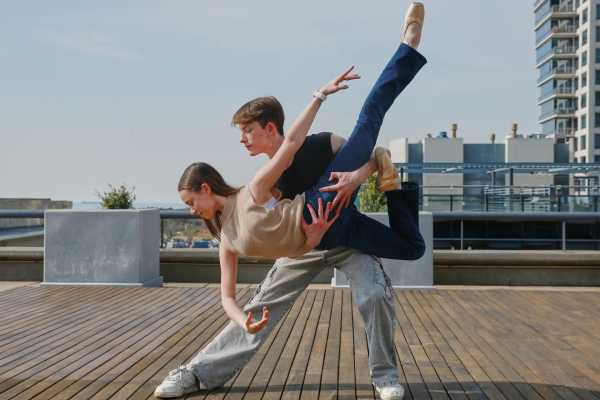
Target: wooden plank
[
  {"x": 414, "y": 380},
  {"x": 42, "y": 362},
  {"x": 284, "y": 364},
  {"x": 526, "y": 340},
  {"x": 435, "y": 312},
  {"x": 259, "y": 384},
  {"x": 346, "y": 382},
  {"x": 364, "y": 386},
  {"x": 52, "y": 335},
  {"x": 175, "y": 351},
  {"x": 428, "y": 356},
  {"x": 237, "y": 387},
  {"x": 53, "y": 326},
  {"x": 312, "y": 380},
  {"x": 329, "y": 377},
  {"x": 128, "y": 364},
  {"x": 538, "y": 377},
  {"x": 293, "y": 385}
]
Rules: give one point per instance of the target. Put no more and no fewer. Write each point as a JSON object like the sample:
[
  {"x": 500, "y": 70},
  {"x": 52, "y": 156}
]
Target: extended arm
[
  {"x": 229, "y": 264},
  {"x": 268, "y": 175}
]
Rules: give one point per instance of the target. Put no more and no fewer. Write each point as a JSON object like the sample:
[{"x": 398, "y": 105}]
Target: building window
[
  {"x": 598, "y": 98},
  {"x": 576, "y": 84},
  {"x": 584, "y": 38},
  {"x": 584, "y": 80},
  {"x": 576, "y": 64},
  {"x": 597, "y": 35},
  {"x": 584, "y": 143},
  {"x": 598, "y": 56},
  {"x": 583, "y": 100},
  {"x": 584, "y": 58},
  {"x": 596, "y": 159},
  {"x": 597, "y": 141},
  {"x": 584, "y": 16},
  {"x": 575, "y": 144},
  {"x": 597, "y": 122},
  {"x": 582, "y": 160},
  {"x": 598, "y": 76},
  {"x": 597, "y": 13},
  {"x": 583, "y": 122}
]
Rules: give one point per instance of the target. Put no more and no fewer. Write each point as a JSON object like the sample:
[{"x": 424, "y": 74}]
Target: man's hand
[
  {"x": 314, "y": 232},
  {"x": 347, "y": 184},
  {"x": 254, "y": 327}
]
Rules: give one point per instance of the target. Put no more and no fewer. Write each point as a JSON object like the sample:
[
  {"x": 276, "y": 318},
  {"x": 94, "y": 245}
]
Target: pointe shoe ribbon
[
  {"x": 387, "y": 176},
  {"x": 415, "y": 13}
]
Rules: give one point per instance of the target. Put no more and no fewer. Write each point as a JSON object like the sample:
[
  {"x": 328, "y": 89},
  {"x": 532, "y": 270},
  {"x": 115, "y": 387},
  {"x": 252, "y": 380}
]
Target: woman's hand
[
  {"x": 254, "y": 327},
  {"x": 333, "y": 86},
  {"x": 316, "y": 230}
]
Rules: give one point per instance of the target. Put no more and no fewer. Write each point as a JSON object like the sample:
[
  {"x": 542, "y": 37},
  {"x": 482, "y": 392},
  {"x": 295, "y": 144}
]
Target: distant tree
[
  {"x": 117, "y": 199},
  {"x": 371, "y": 199}
]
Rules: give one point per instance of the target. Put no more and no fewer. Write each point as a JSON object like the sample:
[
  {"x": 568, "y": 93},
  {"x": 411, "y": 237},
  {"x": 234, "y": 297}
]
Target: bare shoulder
[{"x": 337, "y": 142}]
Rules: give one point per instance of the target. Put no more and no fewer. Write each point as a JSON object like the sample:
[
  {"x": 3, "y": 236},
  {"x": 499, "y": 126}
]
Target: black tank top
[{"x": 310, "y": 162}]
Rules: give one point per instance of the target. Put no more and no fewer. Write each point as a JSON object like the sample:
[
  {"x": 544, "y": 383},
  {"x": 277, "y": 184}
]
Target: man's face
[{"x": 256, "y": 138}]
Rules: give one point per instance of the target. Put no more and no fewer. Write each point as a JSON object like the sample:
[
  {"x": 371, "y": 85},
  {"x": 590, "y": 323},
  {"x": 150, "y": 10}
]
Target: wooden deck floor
[{"x": 100, "y": 343}]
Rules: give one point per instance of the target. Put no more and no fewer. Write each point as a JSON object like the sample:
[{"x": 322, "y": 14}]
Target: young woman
[{"x": 250, "y": 220}]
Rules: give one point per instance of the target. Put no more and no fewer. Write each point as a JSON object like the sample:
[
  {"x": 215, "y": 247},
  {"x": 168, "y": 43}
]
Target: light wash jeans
[{"x": 233, "y": 348}]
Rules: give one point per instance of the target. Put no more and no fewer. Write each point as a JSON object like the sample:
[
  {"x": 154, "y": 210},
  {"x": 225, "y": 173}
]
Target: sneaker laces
[{"x": 177, "y": 372}]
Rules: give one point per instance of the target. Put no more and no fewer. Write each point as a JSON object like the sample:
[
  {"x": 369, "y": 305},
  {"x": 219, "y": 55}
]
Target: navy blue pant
[{"x": 402, "y": 240}]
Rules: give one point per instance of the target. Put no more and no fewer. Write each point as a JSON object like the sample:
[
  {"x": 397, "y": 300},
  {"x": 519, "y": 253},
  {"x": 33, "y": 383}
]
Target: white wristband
[{"x": 319, "y": 95}]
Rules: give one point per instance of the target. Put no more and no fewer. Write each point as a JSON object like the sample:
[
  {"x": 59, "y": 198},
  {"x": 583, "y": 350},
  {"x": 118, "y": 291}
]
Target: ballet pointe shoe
[
  {"x": 387, "y": 176},
  {"x": 415, "y": 14}
]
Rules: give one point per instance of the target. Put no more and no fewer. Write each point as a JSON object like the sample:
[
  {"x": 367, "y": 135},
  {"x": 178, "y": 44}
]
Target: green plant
[
  {"x": 371, "y": 199},
  {"x": 117, "y": 199}
]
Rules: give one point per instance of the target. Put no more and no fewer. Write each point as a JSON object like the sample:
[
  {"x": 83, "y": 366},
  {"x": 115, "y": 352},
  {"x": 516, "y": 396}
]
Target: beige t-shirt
[{"x": 254, "y": 231}]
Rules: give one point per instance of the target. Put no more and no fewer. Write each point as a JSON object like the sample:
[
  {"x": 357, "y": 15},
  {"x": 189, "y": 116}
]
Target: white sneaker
[
  {"x": 391, "y": 392},
  {"x": 180, "y": 381}
]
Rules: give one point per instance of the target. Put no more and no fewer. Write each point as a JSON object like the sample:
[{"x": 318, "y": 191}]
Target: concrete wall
[
  {"x": 532, "y": 179},
  {"x": 399, "y": 150},
  {"x": 443, "y": 150},
  {"x": 29, "y": 204},
  {"x": 532, "y": 150}
]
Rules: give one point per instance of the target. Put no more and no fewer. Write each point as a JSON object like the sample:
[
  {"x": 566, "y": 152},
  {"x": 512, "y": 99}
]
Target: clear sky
[{"x": 134, "y": 91}]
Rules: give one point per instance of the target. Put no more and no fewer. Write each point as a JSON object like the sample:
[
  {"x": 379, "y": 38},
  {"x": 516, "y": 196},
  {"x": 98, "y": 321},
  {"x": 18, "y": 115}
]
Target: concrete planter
[
  {"x": 403, "y": 274},
  {"x": 102, "y": 248}
]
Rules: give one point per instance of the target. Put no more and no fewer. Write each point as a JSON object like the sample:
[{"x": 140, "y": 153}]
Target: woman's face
[{"x": 201, "y": 203}]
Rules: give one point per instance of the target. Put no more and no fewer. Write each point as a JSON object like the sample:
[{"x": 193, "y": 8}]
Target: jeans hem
[
  {"x": 202, "y": 381},
  {"x": 395, "y": 382}
]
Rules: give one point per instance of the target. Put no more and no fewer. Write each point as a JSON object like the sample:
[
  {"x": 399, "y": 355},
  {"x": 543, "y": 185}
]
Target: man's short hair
[{"x": 262, "y": 110}]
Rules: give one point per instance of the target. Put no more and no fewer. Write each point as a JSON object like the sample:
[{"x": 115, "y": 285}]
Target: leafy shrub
[{"x": 117, "y": 199}]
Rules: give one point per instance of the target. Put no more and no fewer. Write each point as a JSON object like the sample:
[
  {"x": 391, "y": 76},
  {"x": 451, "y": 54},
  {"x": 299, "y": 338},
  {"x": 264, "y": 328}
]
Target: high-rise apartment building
[{"x": 567, "y": 44}]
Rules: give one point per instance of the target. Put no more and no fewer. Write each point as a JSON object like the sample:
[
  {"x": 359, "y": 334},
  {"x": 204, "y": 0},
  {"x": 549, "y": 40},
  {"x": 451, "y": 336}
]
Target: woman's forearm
[{"x": 234, "y": 311}]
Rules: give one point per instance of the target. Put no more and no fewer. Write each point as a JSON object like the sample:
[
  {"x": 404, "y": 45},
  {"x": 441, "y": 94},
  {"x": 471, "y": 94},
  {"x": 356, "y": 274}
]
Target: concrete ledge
[
  {"x": 451, "y": 267},
  {"x": 503, "y": 258}
]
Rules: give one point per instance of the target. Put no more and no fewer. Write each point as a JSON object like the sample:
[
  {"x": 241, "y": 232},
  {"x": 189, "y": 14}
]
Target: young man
[{"x": 261, "y": 124}]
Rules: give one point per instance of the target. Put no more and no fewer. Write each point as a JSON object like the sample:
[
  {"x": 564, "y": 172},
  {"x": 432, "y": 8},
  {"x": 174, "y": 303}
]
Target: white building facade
[{"x": 568, "y": 59}]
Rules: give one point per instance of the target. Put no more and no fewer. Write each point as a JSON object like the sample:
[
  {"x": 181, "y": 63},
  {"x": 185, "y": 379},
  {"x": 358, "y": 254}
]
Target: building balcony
[
  {"x": 557, "y": 52},
  {"x": 557, "y": 73},
  {"x": 557, "y": 11},
  {"x": 558, "y": 92},
  {"x": 537, "y": 4},
  {"x": 556, "y": 32},
  {"x": 557, "y": 113}
]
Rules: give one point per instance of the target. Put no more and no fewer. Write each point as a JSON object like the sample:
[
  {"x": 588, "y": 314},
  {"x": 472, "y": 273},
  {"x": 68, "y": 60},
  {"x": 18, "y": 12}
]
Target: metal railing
[
  {"x": 556, "y": 30},
  {"x": 557, "y": 91},
  {"x": 500, "y": 230},
  {"x": 557, "y": 111},
  {"x": 554, "y": 9},
  {"x": 547, "y": 235},
  {"x": 557, "y": 71}
]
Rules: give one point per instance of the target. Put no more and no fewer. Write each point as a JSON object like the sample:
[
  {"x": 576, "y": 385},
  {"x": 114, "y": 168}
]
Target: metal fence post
[
  {"x": 461, "y": 234},
  {"x": 487, "y": 201},
  {"x": 162, "y": 232},
  {"x": 564, "y": 235},
  {"x": 451, "y": 201},
  {"x": 522, "y": 202}
]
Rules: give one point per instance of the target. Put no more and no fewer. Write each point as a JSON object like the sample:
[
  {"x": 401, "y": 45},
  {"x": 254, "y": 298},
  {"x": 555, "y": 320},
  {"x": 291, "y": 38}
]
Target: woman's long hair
[{"x": 192, "y": 179}]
